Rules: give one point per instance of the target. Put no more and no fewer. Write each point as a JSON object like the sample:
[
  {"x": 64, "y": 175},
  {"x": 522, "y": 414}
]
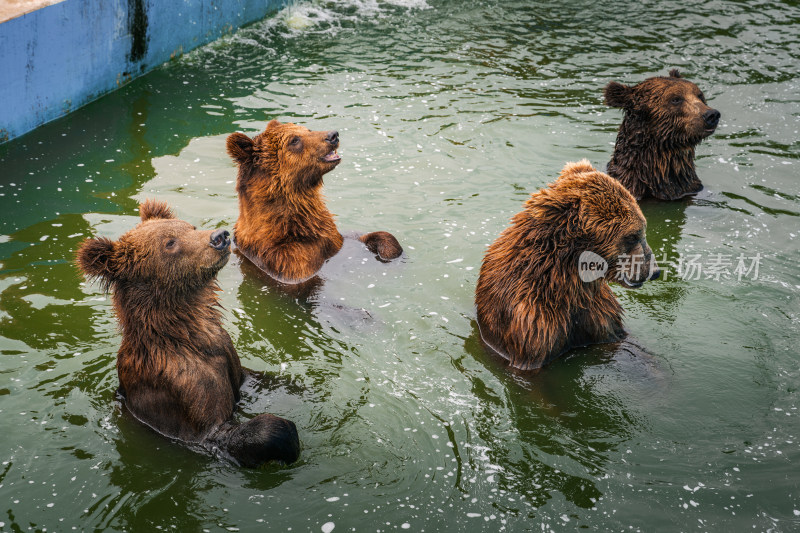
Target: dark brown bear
[
  {"x": 284, "y": 227},
  {"x": 664, "y": 119},
  {"x": 532, "y": 301},
  {"x": 178, "y": 370}
]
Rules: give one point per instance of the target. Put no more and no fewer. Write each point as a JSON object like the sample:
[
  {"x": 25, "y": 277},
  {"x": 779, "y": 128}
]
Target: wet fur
[
  {"x": 532, "y": 305},
  {"x": 655, "y": 148},
  {"x": 178, "y": 370},
  {"x": 284, "y": 227}
]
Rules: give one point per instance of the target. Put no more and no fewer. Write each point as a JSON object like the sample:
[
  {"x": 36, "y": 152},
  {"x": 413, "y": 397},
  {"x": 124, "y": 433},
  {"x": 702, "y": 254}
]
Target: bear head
[
  {"x": 669, "y": 108},
  {"x": 163, "y": 253},
  {"x": 284, "y": 158},
  {"x": 598, "y": 215}
]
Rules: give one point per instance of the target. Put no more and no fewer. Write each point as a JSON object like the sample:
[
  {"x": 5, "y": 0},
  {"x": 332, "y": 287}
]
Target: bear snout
[
  {"x": 655, "y": 274},
  {"x": 220, "y": 239},
  {"x": 711, "y": 118},
  {"x": 332, "y": 138},
  {"x": 649, "y": 268},
  {"x": 654, "y": 270}
]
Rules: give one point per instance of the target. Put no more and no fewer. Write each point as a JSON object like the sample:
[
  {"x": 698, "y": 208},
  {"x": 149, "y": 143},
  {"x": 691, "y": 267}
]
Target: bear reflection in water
[{"x": 327, "y": 294}]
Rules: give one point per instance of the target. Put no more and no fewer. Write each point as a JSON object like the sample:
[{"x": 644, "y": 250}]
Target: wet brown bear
[
  {"x": 532, "y": 301},
  {"x": 178, "y": 370},
  {"x": 284, "y": 227},
  {"x": 664, "y": 119}
]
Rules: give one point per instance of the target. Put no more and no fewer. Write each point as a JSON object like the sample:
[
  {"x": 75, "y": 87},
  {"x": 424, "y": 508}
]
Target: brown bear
[
  {"x": 178, "y": 370},
  {"x": 664, "y": 119},
  {"x": 284, "y": 227},
  {"x": 533, "y": 300}
]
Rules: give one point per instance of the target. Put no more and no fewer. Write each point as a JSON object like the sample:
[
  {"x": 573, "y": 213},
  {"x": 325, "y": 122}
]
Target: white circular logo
[{"x": 591, "y": 266}]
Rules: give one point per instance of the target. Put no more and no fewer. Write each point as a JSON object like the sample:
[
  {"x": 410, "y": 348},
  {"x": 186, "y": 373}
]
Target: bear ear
[
  {"x": 273, "y": 124},
  {"x": 577, "y": 168},
  {"x": 154, "y": 209},
  {"x": 240, "y": 147},
  {"x": 95, "y": 259},
  {"x": 617, "y": 95},
  {"x": 674, "y": 73}
]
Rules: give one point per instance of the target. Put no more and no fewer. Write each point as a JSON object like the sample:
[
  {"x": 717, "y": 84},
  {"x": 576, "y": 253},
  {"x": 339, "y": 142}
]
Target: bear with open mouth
[{"x": 284, "y": 227}]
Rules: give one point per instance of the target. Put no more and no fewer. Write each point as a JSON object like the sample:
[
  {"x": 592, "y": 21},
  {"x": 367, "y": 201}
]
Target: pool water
[{"x": 450, "y": 114}]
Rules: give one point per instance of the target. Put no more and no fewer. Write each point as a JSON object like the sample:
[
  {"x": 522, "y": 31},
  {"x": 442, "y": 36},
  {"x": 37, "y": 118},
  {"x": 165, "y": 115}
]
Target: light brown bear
[
  {"x": 664, "y": 119},
  {"x": 284, "y": 227},
  {"x": 533, "y": 301},
  {"x": 178, "y": 370}
]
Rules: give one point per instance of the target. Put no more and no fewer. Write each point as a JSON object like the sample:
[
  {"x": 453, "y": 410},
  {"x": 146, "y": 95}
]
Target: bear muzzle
[
  {"x": 220, "y": 240},
  {"x": 710, "y": 120},
  {"x": 641, "y": 267},
  {"x": 332, "y": 139}
]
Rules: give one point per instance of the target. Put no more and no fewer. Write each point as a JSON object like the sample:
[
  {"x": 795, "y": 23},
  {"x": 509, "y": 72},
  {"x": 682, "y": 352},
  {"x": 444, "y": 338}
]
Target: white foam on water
[{"x": 321, "y": 17}]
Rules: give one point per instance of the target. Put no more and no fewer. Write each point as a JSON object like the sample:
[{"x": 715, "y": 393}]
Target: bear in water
[
  {"x": 284, "y": 227},
  {"x": 664, "y": 119},
  {"x": 543, "y": 284},
  {"x": 178, "y": 370}
]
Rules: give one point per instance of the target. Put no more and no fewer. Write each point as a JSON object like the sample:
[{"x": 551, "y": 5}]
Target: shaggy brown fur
[
  {"x": 664, "y": 119},
  {"x": 284, "y": 227},
  {"x": 178, "y": 370},
  {"x": 532, "y": 304}
]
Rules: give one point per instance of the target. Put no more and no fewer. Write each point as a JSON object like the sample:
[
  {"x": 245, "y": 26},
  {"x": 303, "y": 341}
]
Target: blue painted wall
[{"x": 63, "y": 56}]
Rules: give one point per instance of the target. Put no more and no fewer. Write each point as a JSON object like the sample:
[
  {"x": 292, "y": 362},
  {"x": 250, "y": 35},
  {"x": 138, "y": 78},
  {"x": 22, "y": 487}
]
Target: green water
[{"x": 450, "y": 114}]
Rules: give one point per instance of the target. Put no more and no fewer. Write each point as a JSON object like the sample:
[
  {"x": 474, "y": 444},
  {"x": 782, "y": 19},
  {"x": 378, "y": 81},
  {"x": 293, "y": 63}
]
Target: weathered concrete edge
[
  {"x": 16, "y": 8},
  {"x": 63, "y": 56}
]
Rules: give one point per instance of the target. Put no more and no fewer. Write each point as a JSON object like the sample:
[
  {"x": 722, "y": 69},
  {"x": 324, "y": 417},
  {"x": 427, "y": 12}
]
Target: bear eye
[
  {"x": 295, "y": 141},
  {"x": 676, "y": 100},
  {"x": 170, "y": 244},
  {"x": 632, "y": 239}
]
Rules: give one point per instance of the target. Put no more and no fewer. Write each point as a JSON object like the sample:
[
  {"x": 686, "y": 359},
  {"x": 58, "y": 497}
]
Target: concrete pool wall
[{"x": 63, "y": 55}]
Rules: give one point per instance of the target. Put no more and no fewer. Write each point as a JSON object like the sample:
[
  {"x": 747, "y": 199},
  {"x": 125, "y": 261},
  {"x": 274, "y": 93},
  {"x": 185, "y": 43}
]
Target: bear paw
[{"x": 383, "y": 244}]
